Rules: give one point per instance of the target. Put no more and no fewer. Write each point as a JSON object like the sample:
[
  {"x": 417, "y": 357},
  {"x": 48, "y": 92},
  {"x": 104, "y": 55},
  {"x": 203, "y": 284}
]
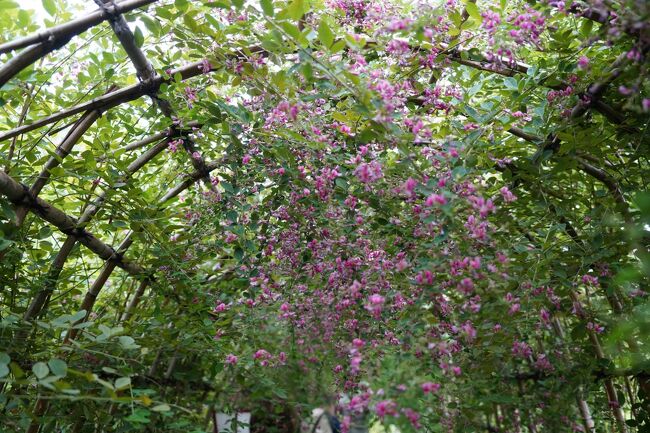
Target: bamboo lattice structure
[{"x": 25, "y": 198}]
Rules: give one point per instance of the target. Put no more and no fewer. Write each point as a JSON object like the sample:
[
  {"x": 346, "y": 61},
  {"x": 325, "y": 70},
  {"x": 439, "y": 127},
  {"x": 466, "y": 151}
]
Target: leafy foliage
[{"x": 434, "y": 211}]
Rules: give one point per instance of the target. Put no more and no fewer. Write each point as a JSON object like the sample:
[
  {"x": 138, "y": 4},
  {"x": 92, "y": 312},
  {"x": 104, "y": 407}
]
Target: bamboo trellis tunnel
[{"x": 26, "y": 199}]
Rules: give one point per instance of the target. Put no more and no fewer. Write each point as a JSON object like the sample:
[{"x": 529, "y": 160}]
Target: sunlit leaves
[
  {"x": 50, "y": 6},
  {"x": 138, "y": 37},
  {"x": 325, "y": 34},
  {"x": 267, "y": 7}
]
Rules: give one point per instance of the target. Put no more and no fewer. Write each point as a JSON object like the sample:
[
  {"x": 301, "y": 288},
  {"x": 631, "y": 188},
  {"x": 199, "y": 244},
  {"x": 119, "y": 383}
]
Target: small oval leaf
[{"x": 41, "y": 370}]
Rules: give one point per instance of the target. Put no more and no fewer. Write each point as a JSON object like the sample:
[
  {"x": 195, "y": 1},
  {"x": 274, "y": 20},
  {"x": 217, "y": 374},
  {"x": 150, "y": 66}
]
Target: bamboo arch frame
[{"x": 26, "y": 198}]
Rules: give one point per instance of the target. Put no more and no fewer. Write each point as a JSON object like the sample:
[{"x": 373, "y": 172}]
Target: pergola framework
[{"x": 25, "y": 198}]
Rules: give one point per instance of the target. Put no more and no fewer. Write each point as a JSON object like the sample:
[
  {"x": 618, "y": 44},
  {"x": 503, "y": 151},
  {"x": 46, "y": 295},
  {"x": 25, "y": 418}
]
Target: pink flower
[
  {"x": 246, "y": 159},
  {"x": 220, "y": 308},
  {"x": 375, "y": 305},
  {"x": 231, "y": 359},
  {"x": 507, "y": 195},
  {"x": 409, "y": 185},
  {"x": 263, "y": 355},
  {"x": 355, "y": 364},
  {"x": 369, "y": 172},
  {"x": 599, "y": 329},
  {"x": 386, "y": 407},
  {"x": 491, "y": 20},
  {"x": 430, "y": 387},
  {"x": 542, "y": 363},
  {"x": 173, "y": 145},
  {"x": 469, "y": 330},
  {"x": 435, "y": 199},
  {"x": 205, "y": 66},
  {"x": 583, "y": 62},
  {"x": 413, "y": 417},
  {"x": 521, "y": 350},
  {"x": 625, "y": 91}
]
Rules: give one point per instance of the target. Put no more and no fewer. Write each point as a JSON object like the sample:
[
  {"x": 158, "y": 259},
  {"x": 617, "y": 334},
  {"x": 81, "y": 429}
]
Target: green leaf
[
  {"x": 49, "y": 6},
  {"x": 4, "y": 358},
  {"x": 58, "y": 367},
  {"x": 267, "y": 7},
  {"x": 40, "y": 370},
  {"x": 77, "y": 316},
  {"x": 8, "y": 4},
  {"x": 586, "y": 27},
  {"x": 325, "y": 34},
  {"x": 296, "y": 9},
  {"x": 511, "y": 83},
  {"x": 473, "y": 11},
  {"x": 181, "y": 5},
  {"x": 161, "y": 408},
  {"x": 128, "y": 342},
  {"x": 139, "y": 37},
  {"x": 139, "y": 416},
  {"x": 122, "y": 383},
  {"x": 4, "y": 370}
]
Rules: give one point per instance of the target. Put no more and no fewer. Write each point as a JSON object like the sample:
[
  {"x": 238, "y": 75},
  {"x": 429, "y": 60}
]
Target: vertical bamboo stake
[
  {"x": 609, "y": 384},
  {"x": 135, "y": 300},
  {"x": 98, "y": 284},
  {"x": 37, "y": 304},
  {"x": 588, "y": 421},
  {"x": 583, "y": 406}
]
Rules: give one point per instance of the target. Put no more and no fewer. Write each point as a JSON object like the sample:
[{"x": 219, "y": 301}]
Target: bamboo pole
[
  {"x": 121, "y": 29},
  {"x": 146, "y": 72},
  {"x": 63, "y": 150},
  {"x": 171, "y": 132},
  {"x": 43, "y": 43},
  {"x": 38, "y": 302},
  {"x": 92, "y": 294},
  {"x": 128, "y": 312},
  {"x": 18, "y": 194},
  {"x": 111, "y": 100},
  {"x": 75, "y": 27}
]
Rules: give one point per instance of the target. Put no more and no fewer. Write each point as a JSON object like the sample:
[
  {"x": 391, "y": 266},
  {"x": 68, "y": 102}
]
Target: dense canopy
[{"x": 434, "y": 213}]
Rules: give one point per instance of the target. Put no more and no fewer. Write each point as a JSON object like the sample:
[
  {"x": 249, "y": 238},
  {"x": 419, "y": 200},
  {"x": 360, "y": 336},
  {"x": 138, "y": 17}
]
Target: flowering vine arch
[{"x": 435, "y": 211}]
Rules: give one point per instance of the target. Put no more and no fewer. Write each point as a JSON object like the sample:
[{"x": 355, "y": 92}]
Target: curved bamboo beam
[
  {"x": 146, "y": 72},
  {"x": 121, "y": 29}
]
